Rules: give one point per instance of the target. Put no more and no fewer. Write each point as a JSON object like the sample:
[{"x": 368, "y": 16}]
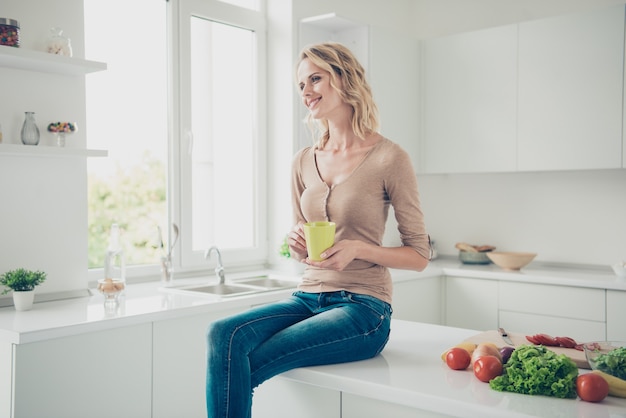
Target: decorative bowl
[
  {"x": 607, "y": 356},
  {"x": 468, "y": 257},
  {"x": 510, "y": 260}
]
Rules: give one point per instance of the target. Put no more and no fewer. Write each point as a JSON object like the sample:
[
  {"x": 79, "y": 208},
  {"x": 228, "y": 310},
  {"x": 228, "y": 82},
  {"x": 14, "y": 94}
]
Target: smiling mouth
[{"x": 313, "y": 102}]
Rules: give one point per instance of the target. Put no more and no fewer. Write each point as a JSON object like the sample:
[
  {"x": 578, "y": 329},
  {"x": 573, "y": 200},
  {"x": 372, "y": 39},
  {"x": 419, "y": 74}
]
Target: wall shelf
[
  {"x": 47, "y": 151},
  {"x": 24, "y": 59}
]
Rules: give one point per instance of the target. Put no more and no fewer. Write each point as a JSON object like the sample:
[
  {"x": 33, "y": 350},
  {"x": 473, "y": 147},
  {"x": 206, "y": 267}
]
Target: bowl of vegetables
[{"x": 607, "y": 356}]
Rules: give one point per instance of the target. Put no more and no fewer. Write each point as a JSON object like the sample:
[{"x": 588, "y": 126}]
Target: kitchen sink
[
  {"x": 236, "y": 287},
  {"x": 267, "y": 282}
]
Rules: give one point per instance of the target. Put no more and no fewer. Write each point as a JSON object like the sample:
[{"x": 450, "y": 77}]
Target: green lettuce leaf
[{"x": 535, "y": 370}]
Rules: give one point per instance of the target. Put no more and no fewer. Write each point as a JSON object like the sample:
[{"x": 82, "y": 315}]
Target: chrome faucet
[{"x": 219, "y": 269}]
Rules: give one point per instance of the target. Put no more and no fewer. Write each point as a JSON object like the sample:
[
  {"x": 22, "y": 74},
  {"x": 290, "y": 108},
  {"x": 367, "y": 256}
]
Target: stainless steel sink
[
  {"x": 236, "y": 287},
  {"x": 268, "y": 282},
  {"x": 222, "y": 289}
]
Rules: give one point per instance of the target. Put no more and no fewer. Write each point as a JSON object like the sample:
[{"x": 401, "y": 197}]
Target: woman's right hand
[{"x": 297, "y": 242}]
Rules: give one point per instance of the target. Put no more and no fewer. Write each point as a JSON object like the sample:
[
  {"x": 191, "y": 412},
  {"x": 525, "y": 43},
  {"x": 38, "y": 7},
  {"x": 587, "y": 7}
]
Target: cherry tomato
[
  {"x": 458, "y": 358},
  {"x": 487, "y": 367},
  {"x": 591, "y": 387}
]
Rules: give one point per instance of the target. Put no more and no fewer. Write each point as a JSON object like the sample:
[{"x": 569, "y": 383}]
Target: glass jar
[
  {"x": 9, "y": 32},
  {"x": 59, "y": 44},
  {"x": 30, "y": 131}
]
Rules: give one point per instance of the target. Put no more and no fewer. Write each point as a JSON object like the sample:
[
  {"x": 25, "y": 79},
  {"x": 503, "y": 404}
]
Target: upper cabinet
[
  {"x": 570, "y": 92},
  {"x": 540, "y": 95},
  {"x": 469, "y": 102}
]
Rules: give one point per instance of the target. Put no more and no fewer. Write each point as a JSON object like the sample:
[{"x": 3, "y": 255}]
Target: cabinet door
[
  {"x": 97, "y": 374},
  {"x": 530, "y": 308},
  {"x": 284, "y": 398},
  {"x": 353, "y": 406},
  {"x": 471, "y": 303},
  {"x": 469, "y": 102},
  {"x": 418, "y": 300},
  {"x": 179, "y": 374},
  {"x": 570, "y": 91},
  {"x": 615, "y": 314}
]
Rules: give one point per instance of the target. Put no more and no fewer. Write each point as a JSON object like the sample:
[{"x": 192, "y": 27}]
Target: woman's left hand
[{"x": 338, "y": 256}]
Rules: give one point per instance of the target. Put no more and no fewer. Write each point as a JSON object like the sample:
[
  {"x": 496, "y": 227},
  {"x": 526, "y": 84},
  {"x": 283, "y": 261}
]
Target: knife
[{"x": 505, "y": 336}]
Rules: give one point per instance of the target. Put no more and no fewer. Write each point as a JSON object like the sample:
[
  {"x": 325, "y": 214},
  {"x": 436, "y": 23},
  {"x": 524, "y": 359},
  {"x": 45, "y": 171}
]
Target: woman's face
[{"x": 317, "y": 94}]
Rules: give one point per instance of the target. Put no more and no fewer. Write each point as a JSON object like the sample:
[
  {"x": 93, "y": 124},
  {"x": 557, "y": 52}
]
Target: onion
[
  {"x": 506, "y": 352},
  {"x": 486, "y": 349}
]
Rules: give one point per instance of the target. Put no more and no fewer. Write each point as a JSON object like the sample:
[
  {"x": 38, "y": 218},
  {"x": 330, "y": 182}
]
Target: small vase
[
  {"x": 30, "y": 131},
  {"x": 23, "y": 300}
]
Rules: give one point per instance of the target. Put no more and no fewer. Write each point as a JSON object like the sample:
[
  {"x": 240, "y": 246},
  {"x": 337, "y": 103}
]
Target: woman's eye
[{"x": 315, "y": 79}]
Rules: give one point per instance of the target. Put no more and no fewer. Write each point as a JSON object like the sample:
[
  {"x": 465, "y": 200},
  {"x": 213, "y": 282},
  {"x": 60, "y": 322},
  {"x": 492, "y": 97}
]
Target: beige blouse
[{"x": 359, "y": 206}]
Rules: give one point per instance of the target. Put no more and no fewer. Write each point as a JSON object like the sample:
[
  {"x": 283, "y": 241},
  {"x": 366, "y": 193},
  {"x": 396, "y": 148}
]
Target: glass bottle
[
  {"x": 115, "y": 262},
  {"x": 30, "y": 131}
]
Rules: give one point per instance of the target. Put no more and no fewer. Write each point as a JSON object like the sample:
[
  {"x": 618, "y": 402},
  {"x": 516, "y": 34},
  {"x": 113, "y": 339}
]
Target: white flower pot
[{"x": 23, "y": 301}]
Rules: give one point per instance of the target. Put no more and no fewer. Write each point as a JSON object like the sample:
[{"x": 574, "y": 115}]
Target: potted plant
[{"x": 23, "y": 283}]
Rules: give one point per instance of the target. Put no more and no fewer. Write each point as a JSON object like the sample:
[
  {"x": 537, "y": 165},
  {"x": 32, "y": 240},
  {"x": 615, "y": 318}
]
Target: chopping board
[{"x": 520, "y": 339}]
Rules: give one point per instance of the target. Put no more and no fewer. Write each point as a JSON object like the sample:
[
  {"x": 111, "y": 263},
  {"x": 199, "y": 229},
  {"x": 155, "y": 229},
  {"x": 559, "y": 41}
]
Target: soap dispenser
[{"x": 115, "y": 262}]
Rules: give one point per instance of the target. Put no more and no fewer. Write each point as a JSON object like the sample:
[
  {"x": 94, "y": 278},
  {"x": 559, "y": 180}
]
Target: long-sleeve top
[{"x": 359, "y": 206}]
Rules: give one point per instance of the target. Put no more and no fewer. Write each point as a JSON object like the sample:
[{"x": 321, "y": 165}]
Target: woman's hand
[
  {"x": 338, "y": 256},
  {"x": 297, "y": 242}
]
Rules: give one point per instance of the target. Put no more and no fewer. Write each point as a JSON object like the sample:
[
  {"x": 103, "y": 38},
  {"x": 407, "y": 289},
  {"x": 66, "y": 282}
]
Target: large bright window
[
  {"x": 180, "y": 111},
  {"x": 127, "y": 116},
  {"x": 222, "y": 148}
]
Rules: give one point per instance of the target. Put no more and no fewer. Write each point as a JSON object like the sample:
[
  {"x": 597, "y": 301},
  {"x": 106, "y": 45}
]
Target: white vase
[{"x": 23, "y": 300}]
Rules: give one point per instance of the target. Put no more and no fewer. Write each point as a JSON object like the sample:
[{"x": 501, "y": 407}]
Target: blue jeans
[{"x": 306, "y": 329}]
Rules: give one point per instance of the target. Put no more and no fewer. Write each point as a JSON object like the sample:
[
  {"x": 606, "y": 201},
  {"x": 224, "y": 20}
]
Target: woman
[{"x": 342, "y": 309}]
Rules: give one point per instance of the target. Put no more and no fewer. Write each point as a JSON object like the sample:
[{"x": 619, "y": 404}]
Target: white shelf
[
  {"x": 24, "y": 59},
  {"x": 47, "y": 151}
]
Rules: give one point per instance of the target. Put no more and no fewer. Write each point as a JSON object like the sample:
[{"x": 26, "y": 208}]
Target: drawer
[
  {"x": 579, "y": 329},
  {"x": 558, "y": 301}
]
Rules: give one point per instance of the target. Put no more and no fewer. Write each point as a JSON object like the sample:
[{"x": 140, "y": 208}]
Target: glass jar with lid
[{"x": 9, "y": 32}]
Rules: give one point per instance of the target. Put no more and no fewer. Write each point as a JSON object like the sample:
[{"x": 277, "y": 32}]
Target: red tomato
[
  {"x": 566, "y": 342},
  {"x": 458, "y": 358},
  {"x": 487, "y": 367},
  {"x": 591, "y": 387},
  {"x": 546, "y": 339},
  {"x": 532, "y": 339}
]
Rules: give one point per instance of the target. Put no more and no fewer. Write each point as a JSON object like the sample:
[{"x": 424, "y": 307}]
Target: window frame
[{"x": 179, "y": 164}]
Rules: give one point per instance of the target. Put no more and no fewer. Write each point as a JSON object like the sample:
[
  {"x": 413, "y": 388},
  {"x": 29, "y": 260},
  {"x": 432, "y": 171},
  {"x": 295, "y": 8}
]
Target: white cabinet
[
  {"x": 418, "y": 300},
  {"x": 575, "y": 312},
  {"x": 179, "y": 371},
  {"x": 353, "y": 406},
  {"x": 97, "y": 374},
  {"x": 471, "y": 303},
  {"x": 279, "y": 397},
  {"x": 469, "y": 102},
  {"x": 615, "y": 314},
  {"x": 571, "y": 78}
]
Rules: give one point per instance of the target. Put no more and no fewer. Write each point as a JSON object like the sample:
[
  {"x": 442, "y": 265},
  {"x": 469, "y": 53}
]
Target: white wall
[{"x": 43, "y": 200}]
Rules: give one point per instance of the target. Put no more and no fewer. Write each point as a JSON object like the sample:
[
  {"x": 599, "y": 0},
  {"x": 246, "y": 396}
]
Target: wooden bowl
[{"x": 510, "y": 260}]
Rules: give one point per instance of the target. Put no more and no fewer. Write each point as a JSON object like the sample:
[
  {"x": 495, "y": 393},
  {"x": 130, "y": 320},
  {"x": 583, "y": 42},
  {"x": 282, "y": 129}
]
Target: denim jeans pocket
[{"x": 379, "y": 307}]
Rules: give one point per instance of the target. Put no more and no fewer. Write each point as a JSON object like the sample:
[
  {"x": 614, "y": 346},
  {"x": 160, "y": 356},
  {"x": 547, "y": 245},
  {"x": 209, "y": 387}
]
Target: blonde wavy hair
[{"x": 345, "y": 71}]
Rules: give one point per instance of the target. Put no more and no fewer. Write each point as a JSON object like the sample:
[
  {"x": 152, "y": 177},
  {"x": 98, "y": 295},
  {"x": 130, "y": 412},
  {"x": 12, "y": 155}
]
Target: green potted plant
[{"x": 23, "y": 283}]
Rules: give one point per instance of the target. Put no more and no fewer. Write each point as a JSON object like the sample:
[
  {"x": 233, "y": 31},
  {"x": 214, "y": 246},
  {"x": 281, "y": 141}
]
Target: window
[
  {"x": 127, "y": 116},
  {"x": 179, "y": 112},
  {"x": 222, "y": 132}
]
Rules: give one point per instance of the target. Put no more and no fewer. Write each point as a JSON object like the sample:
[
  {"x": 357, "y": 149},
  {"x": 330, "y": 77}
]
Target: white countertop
[
  {"x": 145, "y": 302},
  {"x": 410, "y": 372}
]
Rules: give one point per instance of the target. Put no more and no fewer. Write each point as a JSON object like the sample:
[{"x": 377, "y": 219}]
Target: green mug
[{"x": 319, "y": 236}]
